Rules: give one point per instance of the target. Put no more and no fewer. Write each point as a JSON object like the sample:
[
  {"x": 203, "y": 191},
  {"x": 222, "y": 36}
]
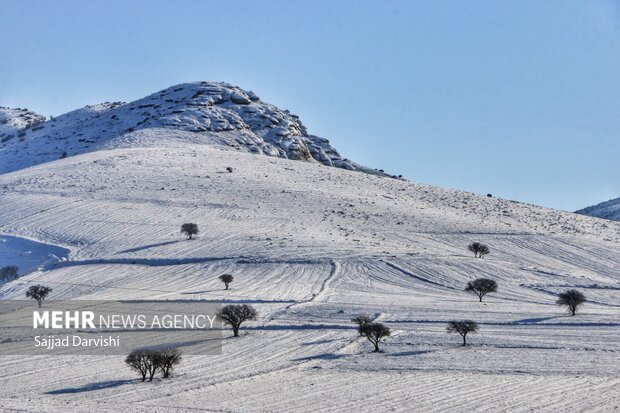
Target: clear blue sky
[{"x": 518, "y": 98}]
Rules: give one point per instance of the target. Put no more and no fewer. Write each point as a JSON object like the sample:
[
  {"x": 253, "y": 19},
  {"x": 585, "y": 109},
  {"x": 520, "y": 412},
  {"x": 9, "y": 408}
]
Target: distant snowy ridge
[
  {"x": 608, "y": 210},
  {"x": 199, "y": 112}
]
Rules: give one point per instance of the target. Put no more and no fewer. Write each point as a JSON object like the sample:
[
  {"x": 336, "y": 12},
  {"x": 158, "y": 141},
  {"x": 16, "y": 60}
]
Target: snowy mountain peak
[
  {"x": 607, "y": 210},
  {"x": 200, "y": 112}
]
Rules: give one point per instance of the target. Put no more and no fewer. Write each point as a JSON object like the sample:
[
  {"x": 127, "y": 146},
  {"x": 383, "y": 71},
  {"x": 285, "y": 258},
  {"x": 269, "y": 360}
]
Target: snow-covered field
[
  {"x": 29, "y": 255},
  {"x": 310, "y": 246}
]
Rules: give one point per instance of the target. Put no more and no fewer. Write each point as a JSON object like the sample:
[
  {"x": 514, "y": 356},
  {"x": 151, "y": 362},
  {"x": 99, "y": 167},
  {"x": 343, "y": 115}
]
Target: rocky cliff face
[
  {"x": 14, "y": 121},
  {"x": 220, "y": 113}
]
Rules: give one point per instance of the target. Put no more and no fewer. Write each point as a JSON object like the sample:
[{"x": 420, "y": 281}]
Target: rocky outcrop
[{"x": 224, "y": 113}]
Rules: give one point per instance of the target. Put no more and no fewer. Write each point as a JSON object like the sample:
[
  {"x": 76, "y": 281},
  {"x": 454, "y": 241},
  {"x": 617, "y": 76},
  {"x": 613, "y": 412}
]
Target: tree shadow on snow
[
  {"x": 324, "y": 356},
  {"x": 410, "y": 353},
  {"x": 92, "y": 387},
  {"x": 258, "y": 301},
  {"x": 202, "y": 292},
  {"x": 312, "y": 343},
  {"x": 568, "y": 323},
  {"x": 146, "y": 247},
  {"x": 534, "y": 320},
  {"x": 277, "y": 327},
  {"x": 225, "y": 301}
]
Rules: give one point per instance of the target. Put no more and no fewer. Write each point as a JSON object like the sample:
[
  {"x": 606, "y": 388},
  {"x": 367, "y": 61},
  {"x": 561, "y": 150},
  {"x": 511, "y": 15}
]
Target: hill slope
[
  {"x": 608, "y": 210},
  {"x": 310, "y": 247}
]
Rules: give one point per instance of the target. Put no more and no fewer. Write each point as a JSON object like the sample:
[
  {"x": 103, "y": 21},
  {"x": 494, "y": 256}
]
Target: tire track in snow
[
  {"x": 296, "y": 364},
  {"x": 152, "y": 262},
  {"x": 335, "y": 267},
  {"x": 39, "y": 212}
]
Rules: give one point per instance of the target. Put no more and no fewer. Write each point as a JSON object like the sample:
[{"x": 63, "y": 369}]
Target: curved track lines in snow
[{"x": 310, "y": 247}]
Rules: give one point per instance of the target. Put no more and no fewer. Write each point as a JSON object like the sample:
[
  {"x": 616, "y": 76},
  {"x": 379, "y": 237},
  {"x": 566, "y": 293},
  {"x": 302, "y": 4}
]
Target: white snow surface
[
  {"x": 213, "y": 113},
  {"x": 29, "y": 255},
  {"x": 607, "y": 210},
  {"x": 310, "y": 247}
]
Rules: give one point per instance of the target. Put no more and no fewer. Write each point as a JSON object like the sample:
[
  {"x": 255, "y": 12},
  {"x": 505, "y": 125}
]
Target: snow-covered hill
[
  {"x": 310, "y": 246},
  {"x": 201, "y": 112},
  {"x": 608, "y": 210}
]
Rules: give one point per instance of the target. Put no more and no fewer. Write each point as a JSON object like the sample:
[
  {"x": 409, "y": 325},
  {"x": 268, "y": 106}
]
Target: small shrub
[
  {"x": 361, "y": 320},
  {"x": 374, "y": 332},
  {"x": 8, "y": 273},
  {"x": 167, "y": 359},
  {"x": 478, "y": 249},
  {"x": 145, "y": 361},
  {"x": 572, "y": 299},
  {"x": 463, "y": 327},
  {"x": 189, "y": 229},
  {"x": 226, "y": 279},
  {"x": 235, "y": 315},
  {"x": 38, "y": 293},
  {"x": 481, "y": 287},
  {"x": 148, "y": 362}
]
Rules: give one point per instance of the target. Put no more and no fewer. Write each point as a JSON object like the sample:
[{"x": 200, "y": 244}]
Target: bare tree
[
  {"x": 167, "y": 359},
  {"x": 478, "y": 249},
  {"x": 138, "y": 361},
  {"x": 374, "y": 332},
  {"x": 38, "y": 292},
  {"x": 153, "y": 363},
  {"x": 234, "y": 315},
  {"x": 226, "y": 279},
  {"x": 189, "y": 229},
  {"x": 481, "y": 287},
  {"x": 361, "y": 320},
  {"x": 8, "y": 273},
  {"x": 572, "y": 299},
  {"x": 463, "y": 328},
  {"x": 144, "y": 361}
]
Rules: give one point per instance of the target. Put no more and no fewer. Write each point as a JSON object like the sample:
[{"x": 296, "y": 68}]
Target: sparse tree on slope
[
  {"x": 146, "y": 362},
  {"x": 463, "y": 327},
  {"x": 572, "y": 299},
  {"x": 361, "y": 320},
  {"x": 167, "y": 359},
  {"x": 478, "y": 249},
  {"x": 226, "y": 279},
  {"x": 8, "y": 273},
  {"x": 234, "y": 315},
  {"x": 374, "y": 332},
  {"x": 38, "y": 292},
  {"x": 189, "y": 229},
  {"x": 481, "y": 287}
]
